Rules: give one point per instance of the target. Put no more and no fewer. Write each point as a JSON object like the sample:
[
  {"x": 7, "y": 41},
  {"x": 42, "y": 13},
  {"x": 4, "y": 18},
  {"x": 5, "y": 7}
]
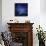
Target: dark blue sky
[{"x": 21, "y": 9}]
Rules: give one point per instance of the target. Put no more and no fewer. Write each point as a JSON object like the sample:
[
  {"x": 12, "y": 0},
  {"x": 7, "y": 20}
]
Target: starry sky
[{"x": 21, "y": 9}]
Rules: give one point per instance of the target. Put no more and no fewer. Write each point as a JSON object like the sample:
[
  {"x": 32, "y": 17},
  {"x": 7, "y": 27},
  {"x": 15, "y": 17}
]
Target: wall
[
  {"x": 0, "y": 15},
  {"x": 43, "y": 14},
  {"x": 8, "y": 11},
  {"x": 43, "y": 6},
  {"x": 35, "y": 15}
]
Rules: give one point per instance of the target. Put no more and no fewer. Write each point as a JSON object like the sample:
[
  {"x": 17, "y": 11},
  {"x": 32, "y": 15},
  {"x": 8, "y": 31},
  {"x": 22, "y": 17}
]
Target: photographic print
[{"x": 21, "y": 9}]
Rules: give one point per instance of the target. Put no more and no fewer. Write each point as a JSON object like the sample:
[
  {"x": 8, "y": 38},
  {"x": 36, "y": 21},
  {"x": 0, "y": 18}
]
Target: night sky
[{"x": 21, "y": 9}]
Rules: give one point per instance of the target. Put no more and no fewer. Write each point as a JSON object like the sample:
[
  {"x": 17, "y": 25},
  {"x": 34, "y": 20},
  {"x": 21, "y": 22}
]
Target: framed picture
[{"x": 21, "y": 9}]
